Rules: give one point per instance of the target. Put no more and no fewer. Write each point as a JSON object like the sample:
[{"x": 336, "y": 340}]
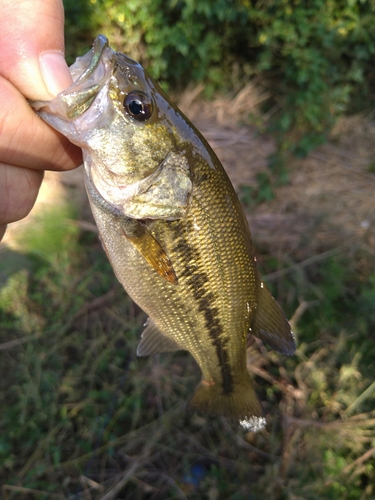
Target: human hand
[{"x": 32, "y": 66}]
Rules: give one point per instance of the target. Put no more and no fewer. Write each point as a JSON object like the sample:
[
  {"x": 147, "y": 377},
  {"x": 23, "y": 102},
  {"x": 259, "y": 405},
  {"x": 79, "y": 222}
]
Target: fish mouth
[
  {"x": 86, "y": 65},
  {"x": 89, "y": 73}
]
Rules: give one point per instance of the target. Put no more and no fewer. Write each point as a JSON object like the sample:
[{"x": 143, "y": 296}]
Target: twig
[
  {"x": 112, "y": 494},
  {"x": 85, "y": 225},
  {"x": 298, "y": 313},
  {"x": 271, "y": 112},
  {"x": 350, "y": 423},
  {"x": 97, "y": 303},
  {"x": 266, "y": 376},
  {"x": 13, "y": 343},
  {"x": 360, "y": 460},
  {"x": 365, "y": 394},
  {"x": 87, "y": 482},
  {"x": 26, "y": 491},
  {"x": 241, "y": 443},
  {"x": 118, "y": 486},
  {"x": 117, "y": 441},
  {"x": 311, "y": 423},
  {"x": 304, "y": 263}
]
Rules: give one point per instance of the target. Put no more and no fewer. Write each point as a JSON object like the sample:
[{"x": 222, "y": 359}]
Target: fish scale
[
  {"x": 229, "y": 270},
  {"x": 223, "y": 268},
  {"x": 172, "y": 227}
]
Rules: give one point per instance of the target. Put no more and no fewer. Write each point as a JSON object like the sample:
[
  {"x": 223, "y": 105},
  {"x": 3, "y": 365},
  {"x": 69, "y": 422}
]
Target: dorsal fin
[
  {"x": 270, "y": 324},
  {"x": 154, "y": 341}
]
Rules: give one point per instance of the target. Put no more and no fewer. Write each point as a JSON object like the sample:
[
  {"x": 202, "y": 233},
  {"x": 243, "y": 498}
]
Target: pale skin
[{"x": 32, "y": 66}]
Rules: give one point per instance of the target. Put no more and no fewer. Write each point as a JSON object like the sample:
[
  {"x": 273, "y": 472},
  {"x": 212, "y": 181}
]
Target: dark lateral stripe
[{"x": 198, "y": 282}]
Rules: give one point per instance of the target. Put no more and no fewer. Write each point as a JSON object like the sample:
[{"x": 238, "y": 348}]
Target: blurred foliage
[
  {"x": 263, "y": 188},
  {"x": 316, "y": 57},
  {"x": 82, "y": 417}
]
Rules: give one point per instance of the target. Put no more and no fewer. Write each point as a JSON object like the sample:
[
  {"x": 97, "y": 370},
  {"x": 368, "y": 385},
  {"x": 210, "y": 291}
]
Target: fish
[{"x": 172, "y": 227}]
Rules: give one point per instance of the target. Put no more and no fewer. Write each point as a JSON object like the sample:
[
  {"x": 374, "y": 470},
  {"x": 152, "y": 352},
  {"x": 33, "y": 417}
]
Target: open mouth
[
  {"x": 89, "y": 73},
  {"x": 84, "y": 67}
]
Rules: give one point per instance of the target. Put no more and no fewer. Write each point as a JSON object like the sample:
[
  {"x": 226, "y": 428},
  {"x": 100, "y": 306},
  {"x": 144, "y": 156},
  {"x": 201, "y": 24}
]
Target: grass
[{"x": 81, "y": 417}]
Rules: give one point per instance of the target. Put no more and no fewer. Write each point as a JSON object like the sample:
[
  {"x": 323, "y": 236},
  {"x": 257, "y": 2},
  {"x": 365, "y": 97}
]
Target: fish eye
[{"x": 138, "y": 105}]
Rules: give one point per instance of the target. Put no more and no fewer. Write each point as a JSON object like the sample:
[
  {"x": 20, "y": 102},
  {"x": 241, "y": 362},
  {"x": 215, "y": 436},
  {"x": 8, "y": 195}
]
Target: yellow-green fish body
[{"x": 172, "y": 226}]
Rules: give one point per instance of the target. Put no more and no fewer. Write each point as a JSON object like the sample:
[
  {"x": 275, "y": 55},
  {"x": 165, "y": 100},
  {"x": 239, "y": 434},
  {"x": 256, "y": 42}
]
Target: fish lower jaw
[{"x": 113, "y": 193}]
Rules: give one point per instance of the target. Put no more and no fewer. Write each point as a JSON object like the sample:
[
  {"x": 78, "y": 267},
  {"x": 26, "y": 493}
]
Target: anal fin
[
  {"x": 153, "y": 341},
  {"x": 270, "y": 324}
]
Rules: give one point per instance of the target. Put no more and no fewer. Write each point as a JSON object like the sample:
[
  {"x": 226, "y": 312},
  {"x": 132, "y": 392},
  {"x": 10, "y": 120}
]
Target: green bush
[
  {"x": 321, "y": 52},
  {"x": 316, "y": 56}
]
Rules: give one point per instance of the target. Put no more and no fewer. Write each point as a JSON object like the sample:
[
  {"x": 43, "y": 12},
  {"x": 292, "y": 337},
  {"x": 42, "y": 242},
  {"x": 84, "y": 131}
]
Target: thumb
[{"x": 32, "y": 47}]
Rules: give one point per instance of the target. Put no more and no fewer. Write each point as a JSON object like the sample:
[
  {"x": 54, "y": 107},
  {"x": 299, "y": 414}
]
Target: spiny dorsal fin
[
  {"x": 270, "y": 324},
  {"x": 154, "y": 341}
]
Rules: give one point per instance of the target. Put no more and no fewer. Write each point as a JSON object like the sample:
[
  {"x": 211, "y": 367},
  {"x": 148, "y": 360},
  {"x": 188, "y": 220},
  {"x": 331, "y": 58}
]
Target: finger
[
  {"x": 3, "y": 228},
  {"x": 19, "y": 189},
  {"x": 32, "y": 47},
  {"x": 32, "y": 65},
  {"x": 26, "y": 141}
]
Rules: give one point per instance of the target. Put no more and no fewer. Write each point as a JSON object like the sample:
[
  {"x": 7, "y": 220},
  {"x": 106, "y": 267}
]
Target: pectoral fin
[
  {"x": 270, "y": 323},
  {"x": 151, "y": 250},
  {"x": 137, "y": 233},
  {"x": 154, "y": 341}
]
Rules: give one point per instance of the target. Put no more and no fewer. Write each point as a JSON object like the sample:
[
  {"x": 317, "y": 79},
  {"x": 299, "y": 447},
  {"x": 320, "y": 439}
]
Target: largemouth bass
[{"x": 171, "y": 225}]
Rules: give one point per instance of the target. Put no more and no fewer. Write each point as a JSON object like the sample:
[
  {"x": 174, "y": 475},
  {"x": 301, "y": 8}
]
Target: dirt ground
[
  {"x": 327, "y": 205},
  {"x": 330, "y": 200}
]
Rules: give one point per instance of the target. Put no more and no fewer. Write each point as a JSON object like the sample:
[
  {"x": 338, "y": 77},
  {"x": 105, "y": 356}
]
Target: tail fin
[{"x": 241, "y": 404}]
